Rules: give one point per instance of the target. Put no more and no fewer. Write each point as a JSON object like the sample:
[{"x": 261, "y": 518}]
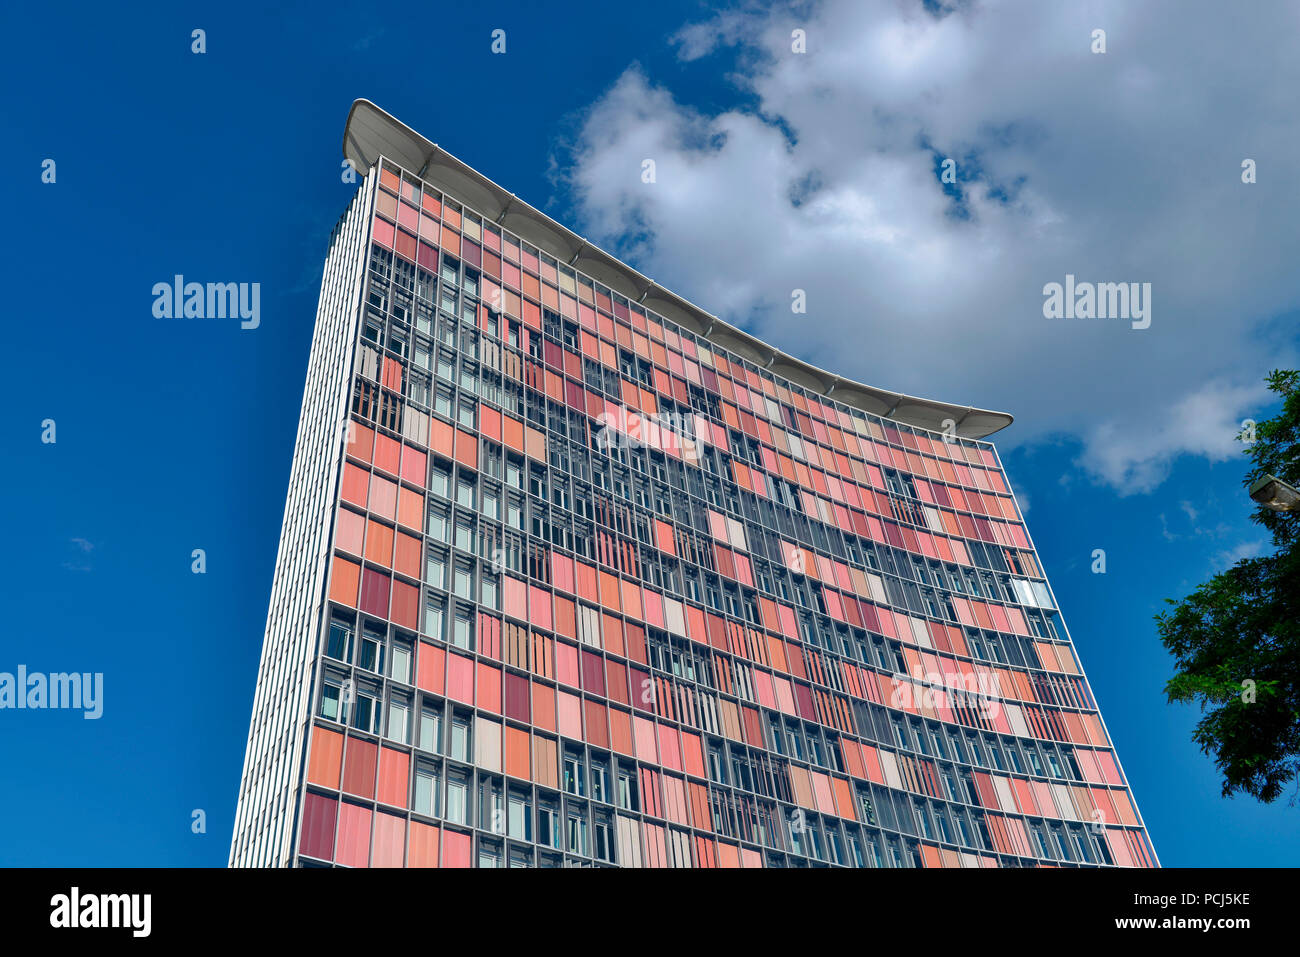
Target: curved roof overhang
[{"x": 371, "y": 132}]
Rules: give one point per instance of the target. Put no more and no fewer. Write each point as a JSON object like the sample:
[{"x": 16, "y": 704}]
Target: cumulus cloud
[{"x": 1123, "y": 167}]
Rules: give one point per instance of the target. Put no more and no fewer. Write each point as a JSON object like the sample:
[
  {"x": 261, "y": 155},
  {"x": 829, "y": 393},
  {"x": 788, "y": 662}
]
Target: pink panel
[{"x": 354, "y": 835}]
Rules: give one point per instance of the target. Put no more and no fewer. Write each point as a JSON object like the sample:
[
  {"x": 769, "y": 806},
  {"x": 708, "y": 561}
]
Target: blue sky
[{"x": 224, "y": 166}]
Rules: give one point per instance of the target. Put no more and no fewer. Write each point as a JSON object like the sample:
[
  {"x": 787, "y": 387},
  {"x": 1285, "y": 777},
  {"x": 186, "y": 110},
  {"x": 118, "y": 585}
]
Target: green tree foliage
[{"x": 1236, "y": 638}]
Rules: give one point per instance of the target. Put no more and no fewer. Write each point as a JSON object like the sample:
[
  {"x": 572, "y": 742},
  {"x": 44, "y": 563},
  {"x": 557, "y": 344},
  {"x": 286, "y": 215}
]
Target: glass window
[
  {"x": 460, "y": 738},
  {"x": 398, "y": 712},
  {"x": 431, "y": 730},
  {"x": 426, "y": 799},
  {"x": 339, "y": 645},
  {"x": 400, "y": 665}
]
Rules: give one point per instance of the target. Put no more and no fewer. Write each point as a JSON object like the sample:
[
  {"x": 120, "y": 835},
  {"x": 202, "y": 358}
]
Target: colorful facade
[{"x": 574, "y": 574}]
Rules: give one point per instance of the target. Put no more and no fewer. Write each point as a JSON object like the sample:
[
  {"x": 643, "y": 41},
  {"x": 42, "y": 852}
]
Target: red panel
[
  {"x": 319, "y": 814},
  {"x": 374, "y": 593},
  {"x": 359, "y": 768},
  {"x": 406, "y": 605}
]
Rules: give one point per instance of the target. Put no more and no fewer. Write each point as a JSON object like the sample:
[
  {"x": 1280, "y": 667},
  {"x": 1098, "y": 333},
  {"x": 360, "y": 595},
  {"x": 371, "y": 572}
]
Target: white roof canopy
[{"x": 372, "y": 133}]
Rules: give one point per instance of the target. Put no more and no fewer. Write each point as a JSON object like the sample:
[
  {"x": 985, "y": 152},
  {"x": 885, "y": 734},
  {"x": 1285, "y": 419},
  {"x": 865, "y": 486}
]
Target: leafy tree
[{"x": 1236, "y": 638}]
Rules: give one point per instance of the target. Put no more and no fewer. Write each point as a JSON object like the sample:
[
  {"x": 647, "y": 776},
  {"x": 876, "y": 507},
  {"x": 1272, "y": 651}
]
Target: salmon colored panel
[
  {"x": 489, "y": 688},
  {"x": 415, "y": 466},
  {"x": 410, "y": 509},
  {"x": 424, "y": 845},
  {"x": 455, "y": 846},
  {"x": 670, "y": 754},
  {"x": 390, "y": 840},
  {"x": 620, "y": 726},
  {"x": 596, "y": 727},
  {"x": 450, "y": 240},
  {"x": 534, "y": 444},
  {"x": 565, "y": 622},
  {"x": 441, "y": 437},
  {"x": 355, "y": 483},
  {"x": 514, "y": 433},
  {"x": 693, "y": 754},
  {"x": 489, "y": 421},
  {"x": 570, "y": 715},
  {"x": 566, "y": 663},
  {"x": 611, "y": 627},
  {"x": 326, "y": 758},
  {"x": 609, "y": 591},
  {"x": 359, "y": 767},
  {"x": 387, "y": 454},
  {"x": 539, "y": 608},
  {"x": 394, "y": 766},
  {"x": 379, "y": 543},
  {"x": 645, "y": 740},
  {"x": 345, "y": 577},
  {"x": 406, "y": 558},
  {"x": 354, "y": 835},
  {"x": 466, "y": 449},
  {"x": 429, "y": 668},
  {"x": 543, "y": 706},
  {"x": 350, "y": 532},
  {"x": 383, "y": 497},
  {"x": 361, "y": 441},
  {"x": 460, "y": 678},
  {"x": 406, "y": 605}
]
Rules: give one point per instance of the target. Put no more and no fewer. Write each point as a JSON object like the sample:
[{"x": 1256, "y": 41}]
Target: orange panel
[
  {"x": 407, "y": 556},
  {"x": 424, "y": 845},
  {"x": 326, "y": 757},
  {"x": 517, "y": 763},
  {"x": 345, "y": 577},
  {"x": 466, "y": 449},
  {"x": 410, "y": 508},
  {"x": 514, "y": 433},
  {"x": 379, "y": 543}
]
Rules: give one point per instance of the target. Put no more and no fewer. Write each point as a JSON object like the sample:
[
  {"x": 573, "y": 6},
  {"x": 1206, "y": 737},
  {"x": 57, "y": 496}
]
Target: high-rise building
[{"x": 574, "y": 573}]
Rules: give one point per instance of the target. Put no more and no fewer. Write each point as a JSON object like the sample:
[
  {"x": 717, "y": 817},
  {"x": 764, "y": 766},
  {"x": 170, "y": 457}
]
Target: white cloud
[
  {"x": 1135, "y": 454},
  {"x": 1118, "y": 167},
  {"x": 1224, "y": 560}
]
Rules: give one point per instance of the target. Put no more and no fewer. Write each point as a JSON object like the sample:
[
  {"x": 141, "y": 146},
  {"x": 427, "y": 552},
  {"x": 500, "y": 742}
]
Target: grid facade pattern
[{"x": 601, "y": 593}]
